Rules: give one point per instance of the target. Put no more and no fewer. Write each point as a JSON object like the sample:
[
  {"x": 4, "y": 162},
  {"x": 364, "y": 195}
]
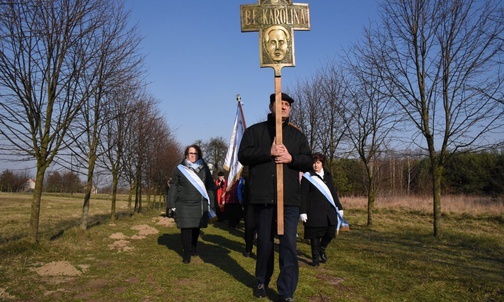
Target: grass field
[{"x": 138, "y": 257}]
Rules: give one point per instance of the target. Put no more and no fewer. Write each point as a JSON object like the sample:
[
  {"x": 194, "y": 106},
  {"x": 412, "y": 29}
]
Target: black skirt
[{"x": 319, "y": 232}]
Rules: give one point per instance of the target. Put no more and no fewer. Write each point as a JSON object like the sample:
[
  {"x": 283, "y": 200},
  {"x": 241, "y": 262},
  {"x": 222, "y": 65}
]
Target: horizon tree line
[{"x": 398, "y": 174}]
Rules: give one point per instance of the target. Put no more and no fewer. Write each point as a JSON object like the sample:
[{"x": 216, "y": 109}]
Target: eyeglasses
[{"x": 193, "y": 153}]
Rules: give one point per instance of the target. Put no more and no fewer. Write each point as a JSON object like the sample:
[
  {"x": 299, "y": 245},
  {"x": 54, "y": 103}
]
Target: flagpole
[
  {"x": 238, "y": 98},
  {"x": 231, "y": 162}
]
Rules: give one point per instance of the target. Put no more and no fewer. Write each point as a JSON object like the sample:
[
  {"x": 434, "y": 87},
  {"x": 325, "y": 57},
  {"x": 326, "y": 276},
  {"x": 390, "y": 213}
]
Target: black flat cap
[{"x": 285, "y": 97}]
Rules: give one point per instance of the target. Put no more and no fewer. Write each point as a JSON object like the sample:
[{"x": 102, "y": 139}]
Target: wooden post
[
  {"x": 279, "y": 167},
  {"x": 276, "y": 20}
]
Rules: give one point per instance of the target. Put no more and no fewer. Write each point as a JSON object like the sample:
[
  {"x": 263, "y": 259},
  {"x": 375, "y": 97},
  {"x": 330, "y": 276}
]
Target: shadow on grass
[
  {"x": 446, "y": 259},
  {"x": 239, "y": 232},
  {"x": 55, "y": 231},
  {"x": 215, "y": 250}
]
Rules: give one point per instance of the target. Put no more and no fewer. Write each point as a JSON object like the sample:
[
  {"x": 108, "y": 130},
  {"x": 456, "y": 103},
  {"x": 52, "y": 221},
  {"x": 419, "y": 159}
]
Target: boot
[
  {"x": 315, "y": 250},
  {"x": 323, "y": 245},
  {"x": 194, "y": 241},
  {"x": 323, "y": 256},
  {"x": 194, "y": 250},
  {"x": 186, "y": 258}
]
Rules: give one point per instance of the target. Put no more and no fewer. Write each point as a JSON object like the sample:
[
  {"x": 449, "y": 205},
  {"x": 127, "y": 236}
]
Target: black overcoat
[
  {"x": 191, "y": 208},
  {"x": 313, "y": 203},
  {"x": 255, "y": 152}
]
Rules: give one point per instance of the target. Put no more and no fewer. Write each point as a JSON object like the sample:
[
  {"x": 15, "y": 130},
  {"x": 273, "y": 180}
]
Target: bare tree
[
  {"x": 441, "y": 62},
  {"x": 324, "y": 129},
  {"x": 305, "y": 113},
  {"x": 369, "y": 117},
  {"x": 137, "y": 145},
  {"x": 44, "y": 54},
  {"x": 121, "y": 110},
  {"x": 115, "y": 63},
  {"x": 214, "y": 151},
  {"x": 163, "y": 155},
  {"x": 332, "y": 132},
  {"x": 11, "y": 181}
]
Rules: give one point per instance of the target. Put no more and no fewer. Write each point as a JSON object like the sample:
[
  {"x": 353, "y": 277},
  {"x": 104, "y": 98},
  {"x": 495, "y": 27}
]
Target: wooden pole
[{"x": 279, "y": 167}]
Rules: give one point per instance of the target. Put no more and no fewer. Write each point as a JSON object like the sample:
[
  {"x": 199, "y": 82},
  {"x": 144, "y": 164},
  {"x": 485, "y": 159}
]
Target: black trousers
[
  {"x": 250, "y": 228},
  {"x": 265, "y": 220},
  {"x": 189, "y": 239}
]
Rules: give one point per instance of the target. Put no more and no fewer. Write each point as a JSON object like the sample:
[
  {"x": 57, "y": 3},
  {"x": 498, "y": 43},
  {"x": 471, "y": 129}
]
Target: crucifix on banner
[{"x": 276, "y": 20}]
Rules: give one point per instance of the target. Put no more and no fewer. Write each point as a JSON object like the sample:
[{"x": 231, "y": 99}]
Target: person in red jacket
[{"x": 221, "y": 186}]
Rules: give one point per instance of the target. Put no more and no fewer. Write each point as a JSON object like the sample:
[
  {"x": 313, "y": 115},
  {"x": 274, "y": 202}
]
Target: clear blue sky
[{"x": 198, "y": 59}]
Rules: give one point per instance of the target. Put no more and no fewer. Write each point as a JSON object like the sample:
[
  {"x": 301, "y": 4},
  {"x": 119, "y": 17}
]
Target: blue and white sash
[
  {"x": 322, "y": 187},
  {"x": 199, "y": 185},
  {"x": 195, "y": 181}
]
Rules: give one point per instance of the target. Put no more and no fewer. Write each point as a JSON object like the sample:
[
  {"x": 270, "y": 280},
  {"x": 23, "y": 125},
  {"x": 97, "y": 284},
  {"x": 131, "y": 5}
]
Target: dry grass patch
[
  {"x": 58, "y": 212},
  {"x": 395, "y": 259},
  {"x": 450, "y": 204}
]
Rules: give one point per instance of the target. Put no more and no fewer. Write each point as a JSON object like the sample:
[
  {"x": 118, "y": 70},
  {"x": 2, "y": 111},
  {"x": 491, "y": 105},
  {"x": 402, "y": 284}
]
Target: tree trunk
[
  {"x": 85, "y": 208},
  {"x": 89, "y": 188},
  {"x": 371, "y": 199},
  {"x": 138, "y": 197},
  {"x": 130, "y": 196},
  {"x": 35, "y": 206},
  {"x": 115, "y": 182},
  {"x": 437, "y": 171},
  {"x": 87, "y": 199}
]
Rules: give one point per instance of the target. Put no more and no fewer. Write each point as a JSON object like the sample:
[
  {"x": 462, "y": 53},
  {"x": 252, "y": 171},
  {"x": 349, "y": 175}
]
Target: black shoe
[
  {"x": 323, "y": 256},
  {"x": 315, "y": 263},
  {"x": 194, "y": 251},
  {"x": 246, "y": 254},
  {"x": 186, "y": 260},
  {"x": 260, "y": 291}
]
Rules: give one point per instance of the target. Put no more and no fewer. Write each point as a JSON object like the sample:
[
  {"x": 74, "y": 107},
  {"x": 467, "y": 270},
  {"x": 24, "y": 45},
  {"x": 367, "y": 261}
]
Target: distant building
[{"x": 29, "y": 185}]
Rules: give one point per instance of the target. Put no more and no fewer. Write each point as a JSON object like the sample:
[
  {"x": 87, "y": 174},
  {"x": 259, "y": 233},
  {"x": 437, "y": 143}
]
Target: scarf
[{"x": 196, "y": 166}]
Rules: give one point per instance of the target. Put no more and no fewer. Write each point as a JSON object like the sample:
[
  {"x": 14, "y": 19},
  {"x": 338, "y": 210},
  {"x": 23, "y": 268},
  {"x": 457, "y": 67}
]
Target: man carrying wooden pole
[{"x": 276, "y": 151}]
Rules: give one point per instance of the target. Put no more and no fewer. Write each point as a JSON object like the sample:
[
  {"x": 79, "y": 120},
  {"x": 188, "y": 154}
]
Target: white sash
[
  {"x": 195, "y": 181},
  {"x": 200, "y": 186},
  {"x": 322, "y": 187}
]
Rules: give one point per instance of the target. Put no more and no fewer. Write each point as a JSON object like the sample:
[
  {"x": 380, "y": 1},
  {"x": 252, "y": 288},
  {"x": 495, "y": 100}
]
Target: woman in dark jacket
[
  {"x": 318, "y": 213},
  {"x": 192, "y": 195}
]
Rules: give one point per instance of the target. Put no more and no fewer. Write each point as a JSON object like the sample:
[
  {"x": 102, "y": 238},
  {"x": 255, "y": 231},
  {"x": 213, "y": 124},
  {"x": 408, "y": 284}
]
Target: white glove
[
  {"x": 341, "y": 212},
  {"x": 173, "y": 209},
  {"x": 303, "y": 217}
]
